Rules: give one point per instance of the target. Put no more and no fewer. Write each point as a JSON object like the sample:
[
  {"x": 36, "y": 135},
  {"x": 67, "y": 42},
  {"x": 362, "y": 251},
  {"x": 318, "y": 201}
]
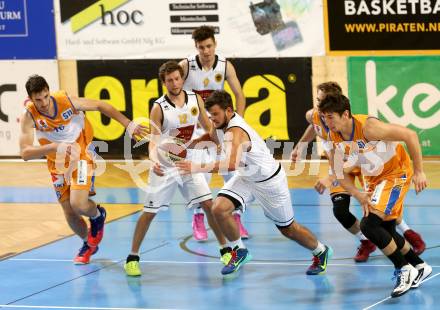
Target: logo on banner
[
  {"x": 13, "y": 19},
  {"x": 88, "y": 11},
  {"x": 378, "y": 101},
  {"x": 5, "y": 88},
  {"x": 400, "y": 90}
]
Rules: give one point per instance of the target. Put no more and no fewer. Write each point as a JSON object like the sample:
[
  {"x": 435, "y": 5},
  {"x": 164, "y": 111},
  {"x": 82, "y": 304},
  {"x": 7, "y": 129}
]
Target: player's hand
[
  {"x": 294, "y": 154},
  {"x": 419, "y": 180},
  {"x": 184, "y": 166},
  {"x": 157, "y": 169},
  {"x": 364, "y": 199},
  {"x": 137, "y": 131},
  {"x": 322, "y": 184}
]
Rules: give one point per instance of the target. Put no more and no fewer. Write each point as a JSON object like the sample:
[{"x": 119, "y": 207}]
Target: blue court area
[{"x": 179, "y": 273}]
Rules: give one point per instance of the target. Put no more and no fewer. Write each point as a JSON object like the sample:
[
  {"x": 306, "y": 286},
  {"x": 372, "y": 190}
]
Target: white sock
[
  {"x": 198, "y": 210},
  {"x": 402, "y": 227},
  {"x": 361, "y": 236},
  {"x": 238, "y": 243},
  {"x": 98, "y": 214},
  {"x": 319, "y": 249},
  {"x": 222, "y": 246},
  {"x": 134, "y": 253}
]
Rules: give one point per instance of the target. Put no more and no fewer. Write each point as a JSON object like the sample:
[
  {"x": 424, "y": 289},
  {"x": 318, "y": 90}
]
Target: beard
[
  {"x": 224, "y": 124},
  {"x": 176, "y": 94}
]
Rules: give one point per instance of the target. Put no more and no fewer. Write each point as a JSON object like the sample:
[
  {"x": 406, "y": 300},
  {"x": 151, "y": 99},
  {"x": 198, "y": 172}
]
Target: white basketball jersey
[
  {"x": 205, "y": 82},
  {"x": 257, "y": 164},
  {"x": 179, "y": 123}
]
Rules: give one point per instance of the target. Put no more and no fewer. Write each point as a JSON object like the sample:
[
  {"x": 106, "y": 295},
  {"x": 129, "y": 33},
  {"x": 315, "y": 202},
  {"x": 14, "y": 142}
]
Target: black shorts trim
[
  {"x": 234, "y": 201},
  {"x": 272, "y": 176}
]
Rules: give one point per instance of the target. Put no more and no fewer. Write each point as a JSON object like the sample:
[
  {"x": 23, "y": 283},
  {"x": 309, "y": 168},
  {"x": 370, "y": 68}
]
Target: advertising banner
[
  {"x": 27, "y": 29},
  {"x": 278, "y": 93},
  {"x": 401, "y": 90},
  {"x": 13, "y": 94},
  {"x": 384, "y": 26},
  {"x": 136, "y": 29}
]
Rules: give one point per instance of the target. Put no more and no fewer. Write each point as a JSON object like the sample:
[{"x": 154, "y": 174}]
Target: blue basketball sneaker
[
  {"x": 239, "y": 257},
  {"x": 319, "y": 264}
]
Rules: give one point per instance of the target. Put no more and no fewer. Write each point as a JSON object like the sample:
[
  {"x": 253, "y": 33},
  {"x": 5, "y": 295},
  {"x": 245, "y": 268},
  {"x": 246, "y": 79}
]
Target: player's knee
[
  {"x": 372, "y": 229},
  {"x": 290, "y": 231},
  {"x": 221, "y": 207},
  {"x": 341, "y": 210}
]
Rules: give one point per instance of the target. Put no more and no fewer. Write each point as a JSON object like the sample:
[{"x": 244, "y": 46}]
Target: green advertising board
[{"x": 401, "y": 90}]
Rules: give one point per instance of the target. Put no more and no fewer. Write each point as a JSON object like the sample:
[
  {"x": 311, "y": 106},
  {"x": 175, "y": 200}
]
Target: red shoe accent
[
  {"x": 96, "y": 231},
  {"x": 415, "y": 240},
  {"x": 84, "y": 254},
  {"x": 364, "y": 250}
]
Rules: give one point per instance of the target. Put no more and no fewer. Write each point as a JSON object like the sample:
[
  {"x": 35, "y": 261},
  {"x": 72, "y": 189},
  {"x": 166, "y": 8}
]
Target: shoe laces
[
  {"x": 399, "y": 276},
  {"x": 83, "y": 249},
  {"x": 315, "y": 261},
  {"x": 199, "y": 221},
  {"x": 233, "y": 257}
]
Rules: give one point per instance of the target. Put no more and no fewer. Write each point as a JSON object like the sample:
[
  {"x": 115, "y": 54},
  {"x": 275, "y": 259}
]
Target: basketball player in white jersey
[
  {"x": 174, "y": 117},
  {"x": 204, "y": 73},
  {"x": 258, "y": 176}
]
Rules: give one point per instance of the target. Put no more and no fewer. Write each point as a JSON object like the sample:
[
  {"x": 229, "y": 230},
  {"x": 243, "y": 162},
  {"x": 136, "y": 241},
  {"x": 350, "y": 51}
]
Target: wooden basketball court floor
[{"x": 37, "y": 247}]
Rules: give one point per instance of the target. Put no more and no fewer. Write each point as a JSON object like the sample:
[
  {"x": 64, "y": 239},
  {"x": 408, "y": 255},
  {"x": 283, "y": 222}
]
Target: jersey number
[{"x": 183, "y": 118}]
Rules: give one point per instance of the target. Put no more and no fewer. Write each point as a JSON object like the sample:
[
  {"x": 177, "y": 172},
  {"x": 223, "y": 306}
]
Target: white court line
[
  {"x": 389, "y": 297},
  {"x": 195, "y": 263},
  {"x": 78, "y": 308}
]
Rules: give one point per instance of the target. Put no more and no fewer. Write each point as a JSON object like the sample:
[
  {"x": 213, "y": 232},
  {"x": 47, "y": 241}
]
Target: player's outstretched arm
[
  {"x": 27, "y": 149},
  {"x": 136, "y": 131},
  {"x": 234, "y": 83},
  {"x": 184, "y": 64},
  {"x": 308, "y": 136},
  {"x": 375, "y": 130}
]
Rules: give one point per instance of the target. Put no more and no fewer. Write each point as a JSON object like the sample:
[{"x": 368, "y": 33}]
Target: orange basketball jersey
[
  {"x": 65, "y": 125},
  {"x": 319, "y": 125},
  {"x": 385, "y": 166}
]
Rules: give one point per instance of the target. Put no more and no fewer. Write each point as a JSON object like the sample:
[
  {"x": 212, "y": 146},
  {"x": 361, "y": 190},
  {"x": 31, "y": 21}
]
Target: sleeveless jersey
[
  {"x": 66, "y": 125},
  {"x": 205, "y": 82},
  {"x": 179, "y": 123},
  {"x": 257, "y": 164},
  {"x": 377, "y": 159}
]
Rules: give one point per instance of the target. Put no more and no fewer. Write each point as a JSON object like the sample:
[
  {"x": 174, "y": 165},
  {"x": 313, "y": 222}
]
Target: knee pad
[
  {"x": 390, "y": 226},
  {"x": 371, "y": 227},
  {"x": 341, "y": 210}
]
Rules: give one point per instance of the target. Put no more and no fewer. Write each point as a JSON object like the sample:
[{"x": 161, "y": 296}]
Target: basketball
[{"x": 170, "y": 152}]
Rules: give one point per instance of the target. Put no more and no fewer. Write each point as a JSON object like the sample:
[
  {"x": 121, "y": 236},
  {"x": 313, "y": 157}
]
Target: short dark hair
[
  {"x": 202, "y": 33},
  {"x": 337, "y": 103},
  {"x": 221, "y": 98},
  {"x": 36, "y": 84},
  {"x": 169, "y": 67},
  {"x": 330, "y": 88}
]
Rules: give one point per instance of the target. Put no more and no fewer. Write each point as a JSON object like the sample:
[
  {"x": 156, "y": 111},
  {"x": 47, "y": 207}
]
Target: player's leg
[
  {"x": 387, "y": 201},
  {"x": 274, "y": 196},
  {"x": 235, "y": 194},
  {"x": 341, "y": 210},
  {"x": 198, "y": 220},
  {"x": 414, "y": 238},
  {"x": 244, "y": 234},
  {"x": 159, "y": 190}
]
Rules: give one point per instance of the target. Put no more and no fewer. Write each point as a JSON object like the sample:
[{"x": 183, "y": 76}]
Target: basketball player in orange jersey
[
  {"x": 204, "y": 73},
  {"x": 65, "y": 137},
  {"x": 339, "y": 196},
  {"x": 367, "y": 143}
]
